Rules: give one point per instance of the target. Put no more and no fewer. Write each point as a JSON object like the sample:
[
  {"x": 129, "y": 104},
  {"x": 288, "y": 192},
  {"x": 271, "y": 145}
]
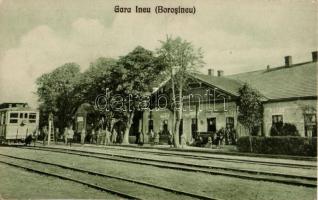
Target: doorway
[
  {"x": 211, "y": 124},
  {"x": 194, "y": 127}
]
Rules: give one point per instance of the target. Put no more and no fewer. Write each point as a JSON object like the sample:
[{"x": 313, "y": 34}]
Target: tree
[
  {"x": 250, "y": 110},
  {"x": 96, "y": 79},
  {"x": 132, "y": 79},
  {"x": 56, "y": 91},
  {"x": 94, "y": 82},
  {"x": 180, "y": 57}
]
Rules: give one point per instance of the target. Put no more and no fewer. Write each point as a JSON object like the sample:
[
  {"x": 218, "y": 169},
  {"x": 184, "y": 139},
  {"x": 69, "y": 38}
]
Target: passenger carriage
[{"x": 17, "y": 121}]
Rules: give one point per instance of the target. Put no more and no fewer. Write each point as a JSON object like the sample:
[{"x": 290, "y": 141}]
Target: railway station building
[{"x": 289, "y": 95}]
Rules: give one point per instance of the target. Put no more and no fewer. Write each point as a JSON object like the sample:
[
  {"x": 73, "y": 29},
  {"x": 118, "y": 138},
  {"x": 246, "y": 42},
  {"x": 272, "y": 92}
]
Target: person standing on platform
[
  {"x": 114, "y": 136},
  {"x": 35, "y": 136},
  {"x": 98, "y": 137},
  {"x": 65, "y": 135},
  {"x": 183, "y": 140},
  {"x": 156, "y": 138},
  {"x": 56, "y": 135},
  {"x": 103, "y": 136},
  {"x": 70, "y": 135},
  {"x": 209, "y": 144},
  {"x": 83, "y": 134},
  {"x": 170, "y": 139},
  {"x": 93, "y": 138},
  {"x": 45, "y": 134},
  {"x": 121, "y": 136},
  {"x": 141, "y": 138},
  {"x": 107, "y": 137},
  {"x": 152, "y": 137}
]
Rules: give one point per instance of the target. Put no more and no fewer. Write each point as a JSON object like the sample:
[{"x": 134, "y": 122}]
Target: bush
[
  {"x": 288, "y": 145},
  {"x": 284, "y": 129}
]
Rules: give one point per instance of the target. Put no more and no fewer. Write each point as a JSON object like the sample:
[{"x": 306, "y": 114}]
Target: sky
[{"x": 37, "y": 36}]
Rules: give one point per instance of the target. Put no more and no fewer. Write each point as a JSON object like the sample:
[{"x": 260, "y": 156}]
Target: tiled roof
[
  {"x": 299, "y": 80},
  {"x": 227, "y": 84}
]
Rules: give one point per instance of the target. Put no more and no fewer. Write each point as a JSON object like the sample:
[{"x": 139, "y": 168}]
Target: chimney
[
  {"x": 220, "y": 73},
  {"x": 210, "y": 72},
  {"x": 314, "y": 56},
  {"x": 288, "y": 61}
]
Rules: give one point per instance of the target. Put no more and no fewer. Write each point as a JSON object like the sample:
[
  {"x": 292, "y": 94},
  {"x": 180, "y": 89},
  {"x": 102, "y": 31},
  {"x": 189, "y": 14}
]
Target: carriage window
[
  {"x": 32, "y": 117},
  {"x": 21, "y": 115},
  {"x": 14, "y": 118},
  {"x": 13, "y": 115},
  {"x": 13, "y": 121},
  {"x": 25, "y": 115}
]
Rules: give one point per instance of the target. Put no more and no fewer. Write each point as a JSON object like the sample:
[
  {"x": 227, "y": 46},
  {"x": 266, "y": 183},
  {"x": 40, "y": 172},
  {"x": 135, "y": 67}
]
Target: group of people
[
  {"x": 225, "y": 136},
  {"x": 154, "y": 137},
  {"x": 102, "y": 136}
]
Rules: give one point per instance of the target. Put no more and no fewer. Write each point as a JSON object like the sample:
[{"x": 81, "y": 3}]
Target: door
[
  {"x": 165, "y": 130},
  {"x": 211, "y": 123},
  {"x": 194, "y": 127}
]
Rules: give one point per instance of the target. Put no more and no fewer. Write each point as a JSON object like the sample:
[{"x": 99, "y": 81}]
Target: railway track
[
  {"x": 63, "y": 169},
  {"x": 201, "y": 157},
  {"x": 232, "y": 172}
]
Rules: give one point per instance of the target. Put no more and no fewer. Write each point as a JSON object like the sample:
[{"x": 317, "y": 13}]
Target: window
[
  {"x": 21, "y": 115},
  {"x": 277, "y": 119},
  {"x": 14, "y": 118},
  {"x": 230, "y": 122},
  {"x": 211, "y": 122},
  {"x": 13, "y": 115},
  {"x": 25, "y": 115},
  {"x": 277, "y": 122},
  {"x": 32, "y": 117}
]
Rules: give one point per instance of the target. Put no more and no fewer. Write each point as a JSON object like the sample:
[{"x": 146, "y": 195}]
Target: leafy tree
[
  {"x": 94, "y": 82},
  {"x": 250, "y": 109},
  {"x": 133, "y": 76},
  {"x": 96, "y": 79},
  {"x": 56, "y": 91},
  {"x": 180, "y": 57}
]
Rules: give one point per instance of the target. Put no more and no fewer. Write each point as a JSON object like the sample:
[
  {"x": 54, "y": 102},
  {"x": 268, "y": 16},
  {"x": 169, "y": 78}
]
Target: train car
[{"x": 17, "y": 121}]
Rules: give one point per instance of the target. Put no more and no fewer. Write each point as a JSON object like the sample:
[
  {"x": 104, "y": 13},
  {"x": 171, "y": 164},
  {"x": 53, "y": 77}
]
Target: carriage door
[{"x": 211, "y": 122}]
